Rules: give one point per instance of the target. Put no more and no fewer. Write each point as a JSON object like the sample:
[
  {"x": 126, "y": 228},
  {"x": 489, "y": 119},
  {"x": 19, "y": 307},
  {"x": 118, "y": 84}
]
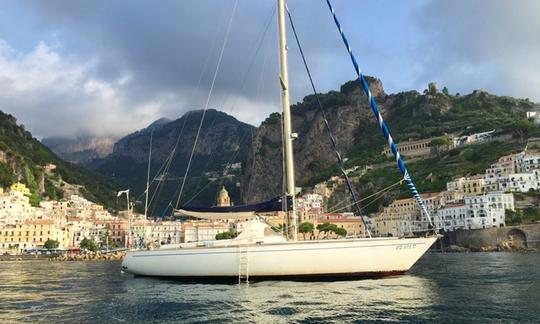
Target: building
[
  {"x": 403, "y": 217},
  {"x": 505, "y": 166},
  {"x": 411, "y": 148},
  {"x": 203, "y": 231},
  {"x": 33, "y": 233},
  {"x": 309, "y": 207},
  {"x": 474, "y": 138},
  {"x": 482, "y": 211},
  {"x": 166, "y": 232},
  {"x": 474, "y": 185},
  {"x": 20, "y": 187},
  {"x": 527, "y": 161},
  {"x": 352, "y": 224},
  {"x": 322, "y": 189},
  {"x": 223, "y": 199},
  {"x": 15, "y": 207},
  {"x": 518, "y": 182}
]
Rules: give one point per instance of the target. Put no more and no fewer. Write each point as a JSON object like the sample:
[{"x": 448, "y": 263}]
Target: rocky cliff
[
  {"x": 409, "y": 115},
  {"x": 348, "y": 115},
  {"x": 82, "y": 149}
]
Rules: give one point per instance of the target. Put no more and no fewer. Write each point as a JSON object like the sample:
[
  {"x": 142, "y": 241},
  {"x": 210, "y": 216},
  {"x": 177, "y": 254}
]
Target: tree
[
  {"x": 305, "y": 227},
  {"x": 445, "y": 90},
  {"x": 51, "y": 244},
  {"x": 522, "y": 128},
  {"x": 511, "y": 217},
  {"x": 106, "y": 236},
  {"x": 226, "y": 235},
  {"x": 340, "y": 231},
  {"x": 327, "y": 228},
  {"x": 440, "y": 144},
  {"x": 88, "y": 244}
]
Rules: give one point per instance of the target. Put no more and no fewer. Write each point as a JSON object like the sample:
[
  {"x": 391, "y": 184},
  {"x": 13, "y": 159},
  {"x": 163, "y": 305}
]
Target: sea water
[{"x": 460, "y": 288}]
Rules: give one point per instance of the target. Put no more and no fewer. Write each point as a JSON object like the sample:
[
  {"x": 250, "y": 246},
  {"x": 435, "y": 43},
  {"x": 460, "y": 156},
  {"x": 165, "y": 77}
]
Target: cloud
[
  {"x": 116, "y": 69},
  {"x": 111, "y": 67},
  {"x": 57, "y": 95},
  {"x": 488, "y": 44}
]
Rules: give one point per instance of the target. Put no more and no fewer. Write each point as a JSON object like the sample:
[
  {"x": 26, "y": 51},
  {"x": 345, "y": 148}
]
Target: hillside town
[
  {"x": 471, "y": 202},
  {"x": 25, "y": 228}
]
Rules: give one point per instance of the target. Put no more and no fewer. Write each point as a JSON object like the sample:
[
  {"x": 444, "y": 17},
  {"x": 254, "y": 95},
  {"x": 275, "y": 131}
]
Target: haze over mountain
[
  {"x": 82, "y": 149},
  {"x": 85, "y": 148}
]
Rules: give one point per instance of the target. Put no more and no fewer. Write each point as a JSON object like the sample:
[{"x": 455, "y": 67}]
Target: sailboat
[{"x": 260, "y": 253}]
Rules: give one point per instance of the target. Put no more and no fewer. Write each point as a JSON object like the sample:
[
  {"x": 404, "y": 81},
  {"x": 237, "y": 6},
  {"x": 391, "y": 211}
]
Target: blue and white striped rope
[
  {"x": 341, "y": 163},
  {"x": 380, "y": 120}
]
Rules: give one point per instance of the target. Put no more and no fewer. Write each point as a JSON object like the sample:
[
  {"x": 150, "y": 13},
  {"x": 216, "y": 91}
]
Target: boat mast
[
  {"x": 285, "y": 102},
  {"x": 147, "y": 185}
]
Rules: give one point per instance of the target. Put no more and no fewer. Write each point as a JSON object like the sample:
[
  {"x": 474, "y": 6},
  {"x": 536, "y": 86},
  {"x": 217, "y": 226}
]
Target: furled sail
[{"x": 237, "y": 212}]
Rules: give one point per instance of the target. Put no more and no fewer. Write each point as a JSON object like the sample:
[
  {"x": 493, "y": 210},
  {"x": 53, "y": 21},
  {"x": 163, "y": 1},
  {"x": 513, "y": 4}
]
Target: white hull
[{"x": 334, "y": 258}]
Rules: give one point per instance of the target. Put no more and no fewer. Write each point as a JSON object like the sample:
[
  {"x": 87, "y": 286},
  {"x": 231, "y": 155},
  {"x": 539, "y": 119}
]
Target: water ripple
[{"x": 474, "y": 287}]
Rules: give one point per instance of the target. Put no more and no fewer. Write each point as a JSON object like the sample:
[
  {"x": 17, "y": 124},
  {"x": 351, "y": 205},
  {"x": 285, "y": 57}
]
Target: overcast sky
[{"x": 111, "y": 67}]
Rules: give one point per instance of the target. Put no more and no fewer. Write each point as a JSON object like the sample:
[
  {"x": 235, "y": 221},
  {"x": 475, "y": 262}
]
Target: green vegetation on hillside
[
  {"x": 413, "y": 116},
  {"x": 24, "y": 157},
  {"x": 429, "y": 175}
]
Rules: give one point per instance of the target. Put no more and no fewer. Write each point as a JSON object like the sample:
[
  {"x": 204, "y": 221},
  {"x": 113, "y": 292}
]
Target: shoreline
[{"x": 117, "y": 256}]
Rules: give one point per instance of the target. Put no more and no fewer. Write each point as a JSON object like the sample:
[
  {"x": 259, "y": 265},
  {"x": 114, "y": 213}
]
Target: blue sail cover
[{"x": 272, "y": 205}]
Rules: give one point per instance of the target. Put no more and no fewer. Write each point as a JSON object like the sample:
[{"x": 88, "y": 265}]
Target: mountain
[
  {"x": 23, "y": 158},
  {"x": 409, "y": 115},
  {"x": 82, "y": 149},
  {"x": 85, "y": 148},
  {"x": 223, "y": 141}
]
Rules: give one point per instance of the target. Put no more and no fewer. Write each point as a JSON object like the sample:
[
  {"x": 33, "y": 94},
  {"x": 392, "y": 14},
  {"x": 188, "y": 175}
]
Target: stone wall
[{"x": 527, "y": 235}]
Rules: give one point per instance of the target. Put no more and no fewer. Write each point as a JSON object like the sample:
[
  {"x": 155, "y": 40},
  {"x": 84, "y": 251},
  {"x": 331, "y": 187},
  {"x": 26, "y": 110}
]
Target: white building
[
  {"x": 518, "y": 182},
  {"x": 482, "y": 211},
  {"x": 15, "y": 208},
  {"x": 527, "y": 161},
  {"x": 169, "y": 232},
  {"x": 313, "y": 201},
  {"x": 203, "y": 231},
  {"x": 514, "y": 173}
]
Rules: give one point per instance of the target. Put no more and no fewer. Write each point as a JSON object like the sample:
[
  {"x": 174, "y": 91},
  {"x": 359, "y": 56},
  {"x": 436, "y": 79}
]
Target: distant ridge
[{"x": 223, "y": 141}]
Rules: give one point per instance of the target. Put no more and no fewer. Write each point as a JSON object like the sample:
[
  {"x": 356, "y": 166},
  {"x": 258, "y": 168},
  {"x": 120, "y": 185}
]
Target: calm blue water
[{"x": 474, "y": 287}]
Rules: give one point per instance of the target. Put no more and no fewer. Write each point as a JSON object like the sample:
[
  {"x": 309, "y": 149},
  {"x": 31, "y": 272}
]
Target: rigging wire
[
  {"x": 165, "y": 166},
  {"x": 258, "y": 45},
  {"x": 161, "y": 184},
  {"x": 380, "y": 192},
  {"x": 327, "y": 126},
  {"x": 207, "y": 100},
  {"x": 256, "y": 49},
  {"x": 380, "y": 120}
]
